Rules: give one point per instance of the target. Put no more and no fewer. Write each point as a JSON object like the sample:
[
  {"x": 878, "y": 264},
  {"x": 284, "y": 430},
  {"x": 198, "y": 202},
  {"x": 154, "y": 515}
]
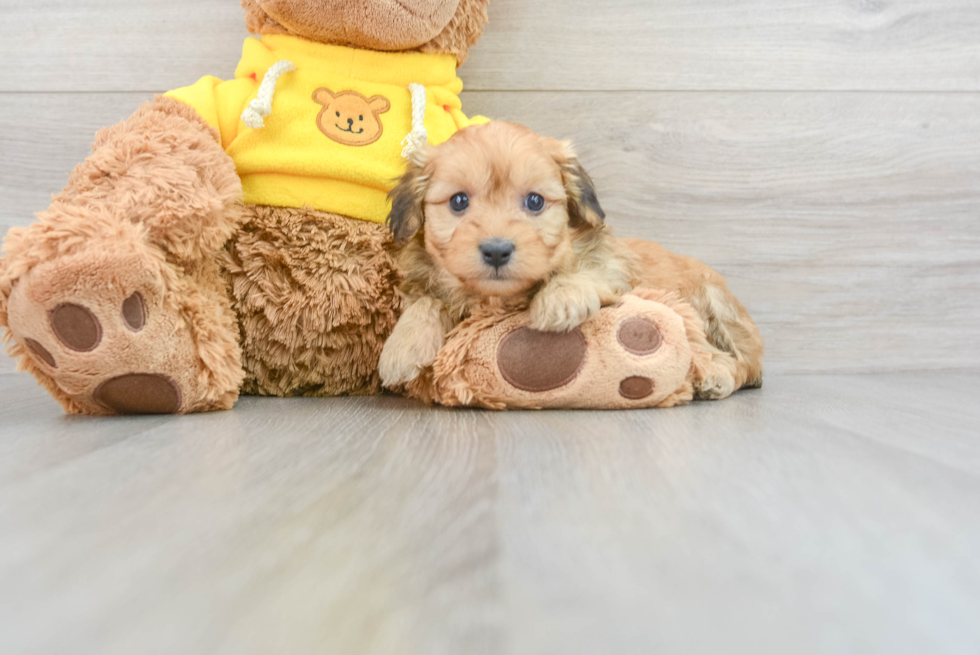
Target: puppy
[{"x": 500, "y": 216}]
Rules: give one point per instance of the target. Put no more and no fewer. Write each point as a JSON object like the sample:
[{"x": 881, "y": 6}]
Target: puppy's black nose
[{"x": 497, "y": 252}]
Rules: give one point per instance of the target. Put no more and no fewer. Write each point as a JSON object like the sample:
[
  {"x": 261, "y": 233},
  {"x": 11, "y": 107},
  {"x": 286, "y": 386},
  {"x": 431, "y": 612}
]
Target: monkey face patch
[{"x": 349, "y": 118}]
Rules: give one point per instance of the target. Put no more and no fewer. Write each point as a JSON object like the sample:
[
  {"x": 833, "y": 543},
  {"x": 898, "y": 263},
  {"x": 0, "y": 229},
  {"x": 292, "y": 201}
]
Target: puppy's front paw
[
  {"x": 402, "y": 361},
  {"x": 563, "y": 308}
]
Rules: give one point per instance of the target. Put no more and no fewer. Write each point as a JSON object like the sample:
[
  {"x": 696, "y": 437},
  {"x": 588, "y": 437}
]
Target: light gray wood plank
[
  {"x": 768, "y": 523},
  {"x": 44, "y": 136},
  {"x": 738, "y": 496},
  {"x": 722, "y": 45},
  {"x": 127, "y": 45},
  {"x": 118, "y": 45},
  {"x": 847, "y": 223}
]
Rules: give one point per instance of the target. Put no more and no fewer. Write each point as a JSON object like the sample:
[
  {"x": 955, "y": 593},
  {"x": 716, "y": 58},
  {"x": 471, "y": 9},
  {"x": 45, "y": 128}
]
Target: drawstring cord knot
[{"x": 261, "y": 107}]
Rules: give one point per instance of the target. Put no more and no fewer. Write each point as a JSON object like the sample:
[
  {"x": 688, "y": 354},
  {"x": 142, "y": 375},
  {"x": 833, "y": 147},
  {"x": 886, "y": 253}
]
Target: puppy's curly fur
[{"x": 501, "y": 216}]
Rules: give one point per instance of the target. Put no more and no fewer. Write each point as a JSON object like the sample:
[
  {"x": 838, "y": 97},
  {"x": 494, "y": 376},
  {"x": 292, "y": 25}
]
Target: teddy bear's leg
[
  {"x": 638, "y": 353},
  {"x": 315, "y": 296},
  {"x": 114, "y": 299}
]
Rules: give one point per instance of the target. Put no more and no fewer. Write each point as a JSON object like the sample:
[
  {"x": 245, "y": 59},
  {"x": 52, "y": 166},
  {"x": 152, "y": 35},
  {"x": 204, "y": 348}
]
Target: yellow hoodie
[{"x": 324, "y": 126}]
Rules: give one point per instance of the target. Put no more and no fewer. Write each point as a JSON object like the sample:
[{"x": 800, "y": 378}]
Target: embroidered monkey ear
[
  {"x": 408, "y": 198},
  {"x": 583, "y": 203},
  {"x": 323, "y": 96},
  {"x": 379, "y": 104}
]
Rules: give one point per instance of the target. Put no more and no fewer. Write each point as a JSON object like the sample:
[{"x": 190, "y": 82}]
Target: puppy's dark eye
[
  {"x": 534, "y": 203},
  {"x": 459, "y": 203}
]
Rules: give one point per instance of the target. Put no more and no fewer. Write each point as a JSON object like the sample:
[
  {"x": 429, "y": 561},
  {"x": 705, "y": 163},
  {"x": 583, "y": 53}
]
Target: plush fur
[
  {"x": 235, "y": 298},
  {"x": 149, "y": 210},
  {"x": 315, "y": 294},
  {"x": 432, "y": 26},
  {"x": 562, "y": 262}
]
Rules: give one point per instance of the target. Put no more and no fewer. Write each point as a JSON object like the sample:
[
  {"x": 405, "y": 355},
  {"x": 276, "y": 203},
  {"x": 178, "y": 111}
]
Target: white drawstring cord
[
  {"x": 261, "y": 107},
  {"x": 418, "y": 137}
]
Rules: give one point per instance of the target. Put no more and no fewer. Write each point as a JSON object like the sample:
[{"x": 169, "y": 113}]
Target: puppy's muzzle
[{"x": 497, "y": 252}]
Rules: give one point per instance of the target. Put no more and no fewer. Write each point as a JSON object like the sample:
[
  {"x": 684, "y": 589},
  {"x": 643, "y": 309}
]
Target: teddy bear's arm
[
  {"x": 219, "y": 103},
  {"x": 164, "y": 167}
]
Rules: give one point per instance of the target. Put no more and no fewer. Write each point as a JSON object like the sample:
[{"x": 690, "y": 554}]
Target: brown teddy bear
[{"x": 150, "y": 285}]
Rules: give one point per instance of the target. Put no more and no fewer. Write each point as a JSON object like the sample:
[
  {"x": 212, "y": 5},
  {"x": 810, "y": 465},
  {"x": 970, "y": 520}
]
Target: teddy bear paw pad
[
  {"x": 96, "y": 324},
  {"x": 140, "y": 393},
  {"x": 537, "y": 361}
]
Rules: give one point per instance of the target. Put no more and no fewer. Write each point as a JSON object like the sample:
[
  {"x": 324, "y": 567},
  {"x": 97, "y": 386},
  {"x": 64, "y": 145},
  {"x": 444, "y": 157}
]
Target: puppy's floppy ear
[
  {"x": 583, "y": 204},
  {"x": 408, "y": 199}
]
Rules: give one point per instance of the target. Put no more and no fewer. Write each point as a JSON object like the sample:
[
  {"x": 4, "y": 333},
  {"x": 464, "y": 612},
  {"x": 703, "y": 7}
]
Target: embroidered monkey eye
[
  {"x": 459, "y": 203},
  {"x": 338, "y": 114},
  {"x": 534, "y": 203},
  {"x": 360, "y": 118}
]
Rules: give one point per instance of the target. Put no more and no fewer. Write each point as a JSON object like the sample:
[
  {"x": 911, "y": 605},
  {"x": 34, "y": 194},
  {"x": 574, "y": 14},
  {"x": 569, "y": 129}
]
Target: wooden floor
[
  {"x": 824, "y": 156},
  {"x": 821, "y": 514}
]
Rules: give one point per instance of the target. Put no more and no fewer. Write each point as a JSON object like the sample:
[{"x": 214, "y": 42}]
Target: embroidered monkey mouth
[{"x": 344, "y": 129}]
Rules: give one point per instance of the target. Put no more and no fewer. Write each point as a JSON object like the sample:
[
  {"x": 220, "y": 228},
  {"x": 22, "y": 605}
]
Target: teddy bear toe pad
[
  {"x": 134, "y": 312},
  {"x": 639, "y": 336},
  {"x": 97, "y": 325},
  {"x": 76, "y": 327}
]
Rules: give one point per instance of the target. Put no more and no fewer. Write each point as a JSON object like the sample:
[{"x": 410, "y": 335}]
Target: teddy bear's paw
[
  {"x": 96, "y": 325},
  {"x": 635, "y": 354}
]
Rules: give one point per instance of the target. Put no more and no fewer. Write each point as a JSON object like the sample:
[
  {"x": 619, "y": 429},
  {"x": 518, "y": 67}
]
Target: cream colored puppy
[{"x": 501, "y": 215}]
